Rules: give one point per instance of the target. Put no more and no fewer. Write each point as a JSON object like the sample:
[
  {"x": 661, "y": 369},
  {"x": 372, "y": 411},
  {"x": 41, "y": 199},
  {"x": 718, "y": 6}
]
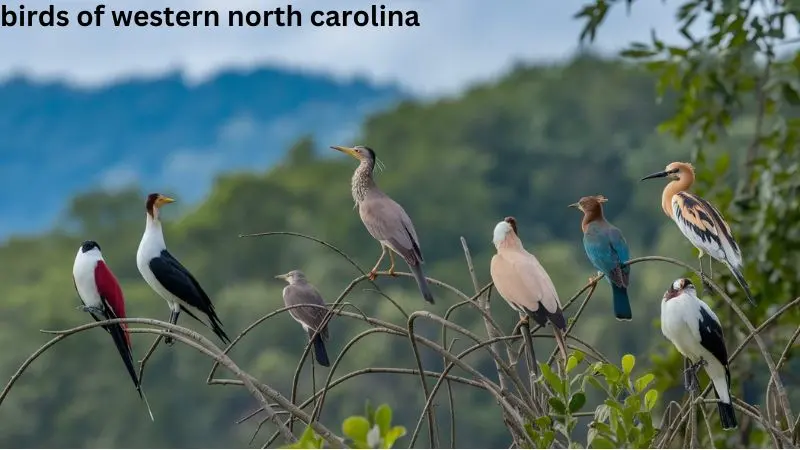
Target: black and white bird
[
  {"x": 169, "y": 278},
  {"x": 301, "y": 292},
  {"x": 696, "y": 332},
  {"x": 102, "y": 298}
]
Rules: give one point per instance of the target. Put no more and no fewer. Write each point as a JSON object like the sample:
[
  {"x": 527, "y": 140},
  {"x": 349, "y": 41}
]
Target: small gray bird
[
  {"x": 385, "y": 219},
  {"x": 301, "y": 292}
]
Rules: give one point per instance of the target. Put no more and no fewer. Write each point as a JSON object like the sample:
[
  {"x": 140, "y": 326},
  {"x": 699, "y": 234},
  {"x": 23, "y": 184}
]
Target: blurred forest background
[{"x": 526, "y": 145}]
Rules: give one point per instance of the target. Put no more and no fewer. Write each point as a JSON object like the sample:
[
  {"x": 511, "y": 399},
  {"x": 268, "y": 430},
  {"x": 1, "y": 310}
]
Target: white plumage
[{"x": 696, "y": 332}]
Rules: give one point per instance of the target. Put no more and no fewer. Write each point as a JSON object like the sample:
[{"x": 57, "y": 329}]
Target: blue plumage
[{"x": 607, "y": 251}]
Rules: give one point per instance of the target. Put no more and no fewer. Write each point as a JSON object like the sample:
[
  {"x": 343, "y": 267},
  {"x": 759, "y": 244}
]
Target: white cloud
[{"x": 459, "y": 42}]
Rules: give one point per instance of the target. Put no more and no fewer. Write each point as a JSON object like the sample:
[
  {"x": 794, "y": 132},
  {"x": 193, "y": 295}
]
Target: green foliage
[
  {"x": 375, "y": 430},
  {"x": 624, "y": 418},
  {"x": 308, "y": 439}
]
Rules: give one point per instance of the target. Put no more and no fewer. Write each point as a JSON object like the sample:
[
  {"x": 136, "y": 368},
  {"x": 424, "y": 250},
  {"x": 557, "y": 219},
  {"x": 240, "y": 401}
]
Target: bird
[
  {"x": 523, "y": 283},
  {"x": 700, "y": 222},
  {"x": 696, "y": 332},
  {"x": 385, "y": 219},
  {"x": 101, "y": 296},
  {"x": 165, "y": 275},
  {"x": 607, "y": 251},
  {"x": 300, "y": 292}
]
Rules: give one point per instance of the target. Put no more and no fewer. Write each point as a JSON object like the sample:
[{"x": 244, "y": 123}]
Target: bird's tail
[
  {"x": 146, "y": 403},
  {"x": 622, "y": 305},
  {"x": 320, "y": 353},
  {"x": 216, "y": 327},
  {"x": 727, "y": 416},
  {"x": 737, "y": 273},
  {"x": 416, "y": 269}
]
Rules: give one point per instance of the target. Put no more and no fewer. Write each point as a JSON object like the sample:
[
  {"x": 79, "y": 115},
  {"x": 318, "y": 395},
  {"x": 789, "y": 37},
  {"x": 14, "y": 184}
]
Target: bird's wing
[
  {"x": 305, "y": 295},
  {"x": 520, "y": 279},
  {"x": 113, "y": 301},
  {"x": 387, "y": 221},
  {"x": 178, "y": 281},
  {"x": 711, "y": 336},
  {"x": 704, "y": 226},
  {"x": 607, "y": 250}
]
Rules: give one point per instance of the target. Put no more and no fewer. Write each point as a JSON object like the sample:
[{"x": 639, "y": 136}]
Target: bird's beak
[
  {"x": 574, "y": 205},
  {"x": 661, "y": 174},
  {"x": 164, "y": 200},
  {"x": 281, "y": 277},
  {"x": 350, "y": 151}
]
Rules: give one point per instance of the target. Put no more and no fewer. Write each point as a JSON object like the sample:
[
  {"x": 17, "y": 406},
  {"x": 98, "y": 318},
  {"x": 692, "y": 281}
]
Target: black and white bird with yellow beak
[
  {"x": 696, "y": 332},
  {"x": 300, "y": 292},
  {"x": 169, "y": 278},
  {"x": 385, "y": 219}
]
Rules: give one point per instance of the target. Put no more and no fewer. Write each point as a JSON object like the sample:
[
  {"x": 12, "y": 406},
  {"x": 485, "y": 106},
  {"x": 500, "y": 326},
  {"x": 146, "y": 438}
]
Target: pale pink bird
[{"x": 523, "y": 282}]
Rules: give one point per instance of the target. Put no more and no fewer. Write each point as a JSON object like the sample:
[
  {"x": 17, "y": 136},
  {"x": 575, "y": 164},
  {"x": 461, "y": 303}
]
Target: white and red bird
[
  {"x": 102, "y": 297},
  {"x": 523, "y": 283},
  {"x": 696, "y": 332}
]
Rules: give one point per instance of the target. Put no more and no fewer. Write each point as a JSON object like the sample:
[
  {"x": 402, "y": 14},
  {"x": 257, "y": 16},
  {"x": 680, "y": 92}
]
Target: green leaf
[
  {"x": 577, "y": 401},
  {"x": 356, "y": 428},
  {"x": 308, "y": 439},
  {"x": 392, "y": 435},
  {"x": 383, "y": 418},
  {"x": 628, "y": 361},
  {"x": 790, "y": 94},
  {"x": 552, "y": 379},
  {"x": 543, "y": 422},
  {"x": 643, "y": 381},
  {"x": 557, "y": 405},
  {"x": 650, "y": 399},
  {"x": 611, "y": 372},
  {"x": 600, "y": 442},
  {"x": 572, "y": 362}
]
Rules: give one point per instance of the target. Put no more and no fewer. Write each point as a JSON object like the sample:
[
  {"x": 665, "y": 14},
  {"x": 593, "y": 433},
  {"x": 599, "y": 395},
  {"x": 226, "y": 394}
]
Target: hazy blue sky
[{"x": 459, "y": 42}]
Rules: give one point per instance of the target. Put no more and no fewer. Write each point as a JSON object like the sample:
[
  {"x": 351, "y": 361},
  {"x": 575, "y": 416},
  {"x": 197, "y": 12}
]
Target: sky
[{"x": 459, "y": 42}]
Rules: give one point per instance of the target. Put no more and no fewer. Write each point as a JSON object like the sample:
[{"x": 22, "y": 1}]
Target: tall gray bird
[
  {"x": 301, "y": 292},
  {"x": 385, "y": 219}
]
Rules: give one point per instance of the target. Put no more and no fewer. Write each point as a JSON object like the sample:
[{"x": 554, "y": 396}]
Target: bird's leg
[
  {"x": 703, "y": 279},
  {"x": 173, "y": 319},
  {"x": 593, "y": 280},
  {"x": 690, "y": 382},
  {"x": 391, "y": 267},
  {"x": 373, "y": 273},
  {"x": 92, "y": 310},
  {"x": 523, "y": 320}
]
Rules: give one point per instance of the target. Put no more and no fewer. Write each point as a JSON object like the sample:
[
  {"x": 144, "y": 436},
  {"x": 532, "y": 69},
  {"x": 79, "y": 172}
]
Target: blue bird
[{"x": 607, "y": 250}]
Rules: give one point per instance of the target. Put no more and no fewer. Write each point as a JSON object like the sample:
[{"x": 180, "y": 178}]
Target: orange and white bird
[
  {"x": 699, "y": 221},
  {"x": 523, "y": 283}
]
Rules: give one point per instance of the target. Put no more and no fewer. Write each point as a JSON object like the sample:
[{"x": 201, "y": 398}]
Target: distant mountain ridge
[{"x": 161, "y": 133}]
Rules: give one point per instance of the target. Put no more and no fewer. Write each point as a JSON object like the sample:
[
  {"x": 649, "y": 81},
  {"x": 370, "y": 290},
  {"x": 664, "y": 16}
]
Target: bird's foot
[
  {"x": 706, "y": 285},
  {"x": 690, "y": 381},
  {"x": 91, "y": 309},
  {"x": 169, "y": 341},
  {"x": 522, "y": 321},
  {"x": 392, "y": 272},
  {"x": 594, "y": 279},
  {"x": 372, "y": 275}
]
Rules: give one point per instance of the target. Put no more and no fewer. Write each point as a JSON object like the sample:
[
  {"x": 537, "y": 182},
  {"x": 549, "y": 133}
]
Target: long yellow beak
[
  {"x": 350, "y": 151},
  {"x": 164, "y": 200}
]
